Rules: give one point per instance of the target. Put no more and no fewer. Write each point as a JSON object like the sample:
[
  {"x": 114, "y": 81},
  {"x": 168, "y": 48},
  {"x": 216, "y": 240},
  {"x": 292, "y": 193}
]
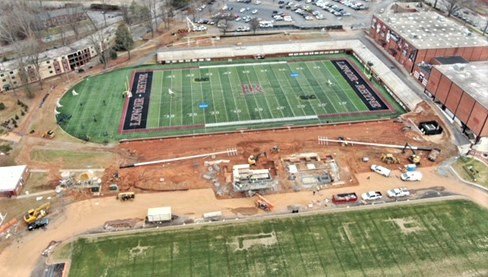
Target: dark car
[{"x": 38, "y": 224}]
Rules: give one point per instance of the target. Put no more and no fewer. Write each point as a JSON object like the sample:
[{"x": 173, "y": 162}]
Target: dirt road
[{"x": 20, "y": 258}]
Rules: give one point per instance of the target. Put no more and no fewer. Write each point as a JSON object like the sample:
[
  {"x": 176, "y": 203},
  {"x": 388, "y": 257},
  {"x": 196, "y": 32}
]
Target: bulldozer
[
  {"x": 414, "y": 158},
  {"x": 48, "y": 134},
  {"x": 34, "y": 214},
  {"x": 263, "y": 204},
  {"x": 252, "y": 160},
  {"x": 389, "y": 159}
]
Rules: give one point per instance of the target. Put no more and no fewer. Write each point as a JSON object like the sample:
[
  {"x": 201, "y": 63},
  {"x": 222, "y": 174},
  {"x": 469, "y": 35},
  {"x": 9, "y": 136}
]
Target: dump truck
[
  {"x": 160, "y": 214},
  {"x": 343, "y": 198},
  {"x": 33, "y": 215}
]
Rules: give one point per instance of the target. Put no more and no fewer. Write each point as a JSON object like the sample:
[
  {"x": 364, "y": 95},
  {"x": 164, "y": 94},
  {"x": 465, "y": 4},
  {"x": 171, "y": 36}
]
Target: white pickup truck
[
  {"x": 371, "y": 195},
  {"x": 411, "y": 176},
  {"x": 381, "y": 170},
  {"x": 398, "y": 192}
]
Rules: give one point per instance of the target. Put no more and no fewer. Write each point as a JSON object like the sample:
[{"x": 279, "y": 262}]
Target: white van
[
  {"x": 381, "y": 170},
  {"x": 411, "y": 176}
]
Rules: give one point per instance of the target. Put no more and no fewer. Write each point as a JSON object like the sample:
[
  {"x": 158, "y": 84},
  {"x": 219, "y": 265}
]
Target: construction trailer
[
  {"x": 246, "y": 179},
  {"x": 160, "y": 214}
]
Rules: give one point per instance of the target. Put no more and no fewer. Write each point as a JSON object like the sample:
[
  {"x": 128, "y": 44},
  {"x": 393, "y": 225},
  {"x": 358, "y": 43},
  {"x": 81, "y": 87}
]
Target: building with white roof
[
  {"x": 12, "y": 179},
  {"x": 462, "y": 89},
  {"x": 417, "y": 38}
]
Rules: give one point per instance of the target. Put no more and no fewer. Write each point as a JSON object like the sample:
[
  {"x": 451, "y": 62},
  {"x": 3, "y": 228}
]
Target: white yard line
[
  {"x": 265, "y": 98},
  {"x": 300, "y": 85},
  {"x": 284, "y": 93},
  {"x": 325, "y": 90},
  {"x": 343, "y": 90},
  {"x": 223, "y": 96},
  {"x": 247, "y": 122},
  {"x": 240, "y": 64}
]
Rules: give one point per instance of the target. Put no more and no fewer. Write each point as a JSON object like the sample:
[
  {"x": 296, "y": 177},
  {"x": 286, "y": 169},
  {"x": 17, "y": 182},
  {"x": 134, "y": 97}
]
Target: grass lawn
[
  {"x": 73, "y": 159},
  {"x": 238, "y": 95},
  {"x": 462, "y": 166},
  {"x": 441, "y": 239},
  {"x": 37, "y": 181}
]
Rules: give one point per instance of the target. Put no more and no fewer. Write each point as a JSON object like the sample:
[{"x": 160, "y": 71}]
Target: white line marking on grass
[
  {"x": 240, "y": 64},
  {"x": 223, "y": 96},
  {"x": 270, "y": 120},
  {"x": 282, "y": 91},
  {"x": 263, "y": 93},
  {"x": 325, "y": 90},
  {"x": 342, "y": 89},
  {"x": 310, "y": 88}
]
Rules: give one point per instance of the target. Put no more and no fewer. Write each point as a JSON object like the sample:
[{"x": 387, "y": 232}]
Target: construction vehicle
[
  {"x": 414, "y": 158},
  {"x": 33, "y": 215},
  {"x": 124, "y": 196},
  {"x": 263, "y": 204},
  {"x": 252, "y": 160},
  {"x": 49, "y": 134},
  {"x": 389, "y": 159}
]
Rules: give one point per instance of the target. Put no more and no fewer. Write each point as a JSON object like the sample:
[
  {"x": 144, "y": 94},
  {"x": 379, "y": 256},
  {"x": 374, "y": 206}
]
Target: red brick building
[
  {"x": 417, "y": 38},
  {"x": 462, "y": 89}
]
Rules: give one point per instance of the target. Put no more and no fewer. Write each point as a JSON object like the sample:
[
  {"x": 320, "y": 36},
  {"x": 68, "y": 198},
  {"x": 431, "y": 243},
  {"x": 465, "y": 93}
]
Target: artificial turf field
[
  {"x": 245, "y": 94},
  {"x": 441, "y": 239}
]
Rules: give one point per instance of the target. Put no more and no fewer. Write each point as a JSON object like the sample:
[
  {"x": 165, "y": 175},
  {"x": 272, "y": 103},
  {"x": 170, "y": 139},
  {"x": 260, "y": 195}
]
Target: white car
[
  {"x": 411, "y": 176},
  {"x": 371, "y": 195},
  {"x": 381, "y": 170},
  {"x": 398, "y": 193},
  {"x": 257, "y": 2},
  {"x": 242, "y": 10},
  {"x": 254, "y": 11},
  {"x": 200, "y": 28}
]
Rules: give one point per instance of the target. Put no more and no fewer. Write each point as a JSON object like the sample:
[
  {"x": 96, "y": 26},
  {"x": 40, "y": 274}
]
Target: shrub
[{"x": 2, "y": 106}]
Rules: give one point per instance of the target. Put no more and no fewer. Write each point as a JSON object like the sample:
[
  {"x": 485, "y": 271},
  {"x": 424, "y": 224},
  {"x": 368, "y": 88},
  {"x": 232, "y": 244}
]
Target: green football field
[
  {"x": 441, "y": 239},
  {"x": 213, "y": 97}
]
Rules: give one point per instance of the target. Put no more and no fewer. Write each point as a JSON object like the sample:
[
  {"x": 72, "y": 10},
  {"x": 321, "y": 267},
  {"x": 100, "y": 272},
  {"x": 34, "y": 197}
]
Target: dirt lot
[{"x": 188, "y": 175}]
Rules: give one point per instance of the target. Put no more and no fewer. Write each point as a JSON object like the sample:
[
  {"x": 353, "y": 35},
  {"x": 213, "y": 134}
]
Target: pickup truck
[
  {"x": 343, "y": 198},
  {"x": 398, "y": 192},
  {"x": 381, "y": 170},
  {"x": 411, "y": 176},
  {"x": 371, "y": 195}
]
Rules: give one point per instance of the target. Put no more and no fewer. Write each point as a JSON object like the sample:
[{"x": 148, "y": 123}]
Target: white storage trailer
[{"x": 159, "y": 214}]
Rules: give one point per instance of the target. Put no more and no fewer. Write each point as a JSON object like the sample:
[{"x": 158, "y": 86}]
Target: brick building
[
  {"x": 415, "y": 39},
  {"x": 462, "y": 89}
]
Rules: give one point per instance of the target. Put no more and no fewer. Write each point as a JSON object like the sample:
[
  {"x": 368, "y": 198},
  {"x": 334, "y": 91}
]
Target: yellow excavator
[
  {"x": 34, "y": 214},
  {"x": 414, "y": 158},
  {"x": 252, "y": 160},
  {"x": 389, "y": 159}
]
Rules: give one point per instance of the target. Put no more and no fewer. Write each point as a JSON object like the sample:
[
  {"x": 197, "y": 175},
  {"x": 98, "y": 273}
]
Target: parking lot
[{"x": 317, "y": 14}]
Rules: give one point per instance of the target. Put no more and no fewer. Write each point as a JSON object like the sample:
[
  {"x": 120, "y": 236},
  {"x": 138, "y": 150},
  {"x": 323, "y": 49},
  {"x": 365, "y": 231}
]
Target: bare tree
[
  {"x": 224, "y": 23},
  {"x": 20, "y": 28},
  {"x": 97, "y": 39},
  {"x": 453, "y": 6},
  {"x": 254, "y": 25},
  {"x": 74, "y": 24}
]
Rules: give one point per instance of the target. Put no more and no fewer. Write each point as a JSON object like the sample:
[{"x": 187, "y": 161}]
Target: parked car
[
  {"x": 371, "y": 195},
  {"x": 398, "y": 192},
  {"x": 38, "y": 224},
  {"x": 381, "y": 170},
  {"x": 255, "y": 11},
  {"x": 411, "y": 176}
]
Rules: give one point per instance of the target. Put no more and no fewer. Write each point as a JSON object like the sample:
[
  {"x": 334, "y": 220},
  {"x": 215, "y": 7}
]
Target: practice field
[
  {"x": 442, "y": 239},
  {"x": 247, "y": 94}
]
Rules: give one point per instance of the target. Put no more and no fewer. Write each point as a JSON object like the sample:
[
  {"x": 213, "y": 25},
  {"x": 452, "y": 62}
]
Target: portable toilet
[{"x": 411, "y": 167}]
